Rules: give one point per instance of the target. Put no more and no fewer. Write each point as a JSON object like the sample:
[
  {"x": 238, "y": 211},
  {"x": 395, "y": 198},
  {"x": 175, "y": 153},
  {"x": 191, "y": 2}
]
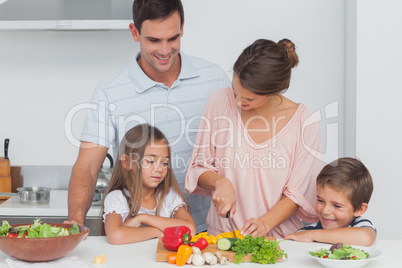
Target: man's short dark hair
[{"x": 155, "y": 10}]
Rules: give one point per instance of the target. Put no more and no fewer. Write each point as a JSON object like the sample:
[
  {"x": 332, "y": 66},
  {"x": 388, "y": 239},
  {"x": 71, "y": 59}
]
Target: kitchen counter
[
  {"x": 143, "y": 254},
  {"x": 57, "y": 207}
]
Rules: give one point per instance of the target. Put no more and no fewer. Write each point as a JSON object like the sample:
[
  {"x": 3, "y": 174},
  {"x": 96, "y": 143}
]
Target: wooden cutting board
[{"x": 161, "y": 252}]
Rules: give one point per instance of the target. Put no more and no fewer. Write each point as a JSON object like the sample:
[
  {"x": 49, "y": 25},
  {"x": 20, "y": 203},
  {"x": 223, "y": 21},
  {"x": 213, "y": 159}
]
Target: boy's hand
[{"x": 303, "y": 236}]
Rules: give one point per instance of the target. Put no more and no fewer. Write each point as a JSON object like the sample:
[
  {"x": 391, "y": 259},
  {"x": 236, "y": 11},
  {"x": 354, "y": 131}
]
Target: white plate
[{"x": 374, "y": 253}]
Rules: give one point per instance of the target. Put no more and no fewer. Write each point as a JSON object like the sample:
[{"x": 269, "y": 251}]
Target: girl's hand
[
  {"x": 223, "y": 197},
  {"x": 254, "y": 227},
  {"x": 303, "y": 236},
  {"x": 135, "y": 221}
]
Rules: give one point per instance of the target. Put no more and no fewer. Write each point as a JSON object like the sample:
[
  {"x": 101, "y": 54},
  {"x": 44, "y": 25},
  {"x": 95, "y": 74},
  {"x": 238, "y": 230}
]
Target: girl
[
  {"x": 143, "y": 196},
  {"x": 256, "y": 153}
]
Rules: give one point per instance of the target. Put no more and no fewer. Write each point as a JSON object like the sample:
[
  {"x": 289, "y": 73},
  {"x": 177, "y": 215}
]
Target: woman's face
[
  {"x": 155, "y": 164},
  {"x": 246, "y": 99}
]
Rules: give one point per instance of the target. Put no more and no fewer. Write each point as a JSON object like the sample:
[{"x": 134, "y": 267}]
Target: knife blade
[
  {"x": 6, "y": 142},
  {"x": 231, "y": 224}
]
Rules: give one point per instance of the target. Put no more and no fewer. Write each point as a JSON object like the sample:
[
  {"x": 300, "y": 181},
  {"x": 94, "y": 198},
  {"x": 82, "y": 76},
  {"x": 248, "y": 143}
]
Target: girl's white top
[{"x": 116, "y": 202}]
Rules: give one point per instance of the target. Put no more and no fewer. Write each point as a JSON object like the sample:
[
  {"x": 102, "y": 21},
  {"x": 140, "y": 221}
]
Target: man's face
[{"x": 160, "y": 45}]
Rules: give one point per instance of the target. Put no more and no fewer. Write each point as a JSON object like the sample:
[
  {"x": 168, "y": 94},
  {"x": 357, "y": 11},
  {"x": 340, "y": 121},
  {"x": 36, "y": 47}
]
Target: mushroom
[
  {"x": 197, "y": 259},
  {"x": 196, "y": 250},
  {"x": 190, "y": 259},
  {"x": 221, "y": 259},
  {"x": 210, "y": 258}
]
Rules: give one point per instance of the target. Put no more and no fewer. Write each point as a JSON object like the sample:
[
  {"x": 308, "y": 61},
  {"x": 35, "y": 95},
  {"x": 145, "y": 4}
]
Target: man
[{"x": 162, "y": 86}]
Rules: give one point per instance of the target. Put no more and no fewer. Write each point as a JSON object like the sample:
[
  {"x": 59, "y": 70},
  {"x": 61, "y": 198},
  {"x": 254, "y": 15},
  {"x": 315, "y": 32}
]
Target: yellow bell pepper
[
  {"x": 213, "y": 239},
  {"x": 183, "y": 254}
]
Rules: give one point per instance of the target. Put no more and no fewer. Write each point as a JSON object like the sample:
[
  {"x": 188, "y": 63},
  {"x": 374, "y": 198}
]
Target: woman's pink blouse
[{"x": 287, "y": 164}]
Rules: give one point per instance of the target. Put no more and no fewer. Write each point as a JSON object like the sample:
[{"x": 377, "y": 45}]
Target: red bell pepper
[
  {"x": 201, "y": 243},
  {"x": 174, "y": 237}
]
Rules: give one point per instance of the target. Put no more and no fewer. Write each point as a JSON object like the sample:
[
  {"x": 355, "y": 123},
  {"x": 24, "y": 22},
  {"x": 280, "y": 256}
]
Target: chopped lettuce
[
  {"x": 340, "y": 252},
  {"x": 37, "y": 230}
]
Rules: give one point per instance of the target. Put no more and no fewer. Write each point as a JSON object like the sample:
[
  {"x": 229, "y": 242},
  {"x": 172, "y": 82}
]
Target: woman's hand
[
  {"x": 135, "y": 221},
  {"x": 223, "y": 197},
  {"x": 254, "y": 227}
]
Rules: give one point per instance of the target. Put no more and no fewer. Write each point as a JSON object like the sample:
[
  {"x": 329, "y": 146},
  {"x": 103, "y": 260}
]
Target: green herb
[
  {"x": 74, "y": 229},
  {"x": 262, "y": 250}
]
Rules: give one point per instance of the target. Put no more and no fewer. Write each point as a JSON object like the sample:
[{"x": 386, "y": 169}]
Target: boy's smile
[{"x": 334, "y": 208}]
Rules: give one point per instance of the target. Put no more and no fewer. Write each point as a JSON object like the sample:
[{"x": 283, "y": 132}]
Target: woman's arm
[
  {"x": 360, "y": 236},
  {"x": 223, "y": 194},
  {"x": 181, "y": 217},
  {"x": 277, "y": 214},
  {"x": 117, "y": 233}
]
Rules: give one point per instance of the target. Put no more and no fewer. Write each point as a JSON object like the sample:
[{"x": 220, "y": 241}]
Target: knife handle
[{"x": 6, "y": 142}]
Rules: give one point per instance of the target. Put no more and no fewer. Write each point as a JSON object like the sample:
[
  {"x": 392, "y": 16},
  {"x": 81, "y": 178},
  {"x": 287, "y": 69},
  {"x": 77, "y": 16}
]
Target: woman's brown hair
[
  {"x": 133, "y": 145},
  {"x": 264, "y": 67}
]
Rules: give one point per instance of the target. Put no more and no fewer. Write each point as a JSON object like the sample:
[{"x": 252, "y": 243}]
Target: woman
[{"x": 254, "y": 153}]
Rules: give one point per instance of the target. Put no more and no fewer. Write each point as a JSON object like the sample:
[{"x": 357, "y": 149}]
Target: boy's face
[{"x": 334, "y": 208}]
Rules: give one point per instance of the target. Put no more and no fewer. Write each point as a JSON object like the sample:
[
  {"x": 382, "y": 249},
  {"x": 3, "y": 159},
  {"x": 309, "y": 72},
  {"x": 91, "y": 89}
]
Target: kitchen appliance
[
  {"x": 31, "y": 195},
  {"x": 104, "y": 176},
  {"x": 5, "y": 176},
  {"x": 65, "y": 14}
]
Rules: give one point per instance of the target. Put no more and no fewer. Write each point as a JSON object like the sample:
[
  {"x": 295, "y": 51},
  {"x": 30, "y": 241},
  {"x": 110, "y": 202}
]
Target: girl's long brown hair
[{"x": 133, "y": 145}]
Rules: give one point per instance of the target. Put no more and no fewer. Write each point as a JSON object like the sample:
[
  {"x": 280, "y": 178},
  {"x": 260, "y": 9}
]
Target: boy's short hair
[{"x": 348, "y": 175}]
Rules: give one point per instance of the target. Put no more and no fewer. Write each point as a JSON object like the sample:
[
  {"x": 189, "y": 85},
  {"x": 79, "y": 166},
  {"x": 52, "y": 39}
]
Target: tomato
[
  {"x": 325, "y": 257},
  {"x": 201, "y": 243},
  {"x": 12, "y": 235}
]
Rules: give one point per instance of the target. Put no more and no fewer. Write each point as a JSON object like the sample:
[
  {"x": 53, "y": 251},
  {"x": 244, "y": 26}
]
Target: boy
[{"x": 344, "y": 188}]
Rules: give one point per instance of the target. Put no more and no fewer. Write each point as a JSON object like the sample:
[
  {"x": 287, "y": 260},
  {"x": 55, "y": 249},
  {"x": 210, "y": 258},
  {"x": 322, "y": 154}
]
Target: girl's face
[
  {"x": 246, "y": 99},
  {"x": 155, "y": 164},
  {"x": 334, "y": 208}
]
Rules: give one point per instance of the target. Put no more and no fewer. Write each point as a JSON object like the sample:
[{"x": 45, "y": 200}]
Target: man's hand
[{"x": 72, "y": 222}]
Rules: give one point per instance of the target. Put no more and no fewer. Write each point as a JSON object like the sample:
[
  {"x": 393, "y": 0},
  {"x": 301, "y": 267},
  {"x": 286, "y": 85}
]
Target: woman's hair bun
[{"x": 290, "y": 48}]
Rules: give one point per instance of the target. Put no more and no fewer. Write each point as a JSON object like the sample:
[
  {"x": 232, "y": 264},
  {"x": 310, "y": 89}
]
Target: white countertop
[
  {"x": 143, "y": 254},
  {"x": 57, "y": 207}
]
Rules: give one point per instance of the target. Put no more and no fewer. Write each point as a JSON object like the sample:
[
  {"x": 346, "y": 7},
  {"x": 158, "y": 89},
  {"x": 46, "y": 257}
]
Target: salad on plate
[
  {"x": 340, "y": 252},
  {"x": 36, "y": 230}
]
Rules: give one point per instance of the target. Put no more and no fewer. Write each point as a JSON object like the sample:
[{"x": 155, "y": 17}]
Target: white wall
[
  {"x": 45, "y": 74},
  {"x": 379, "y": 110}
]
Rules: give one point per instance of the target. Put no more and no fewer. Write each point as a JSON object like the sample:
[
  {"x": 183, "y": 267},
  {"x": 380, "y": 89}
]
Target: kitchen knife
[
  {"x": 6, "y": 142},
  {"x": 231, "y": 224}
]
